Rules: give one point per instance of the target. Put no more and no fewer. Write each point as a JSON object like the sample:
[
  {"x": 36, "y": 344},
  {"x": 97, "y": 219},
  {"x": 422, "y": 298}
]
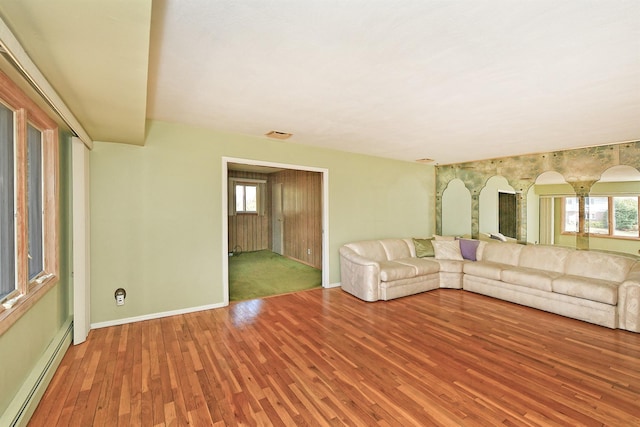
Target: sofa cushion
[
  {"x": 424, "y": 248},
  {"x": 468, "y": 248},
  {"x": 599, "y": 290},
  {"x": 502, "y": 253},
  {"x": 543, "y": 257},
  {"x": 398, "y": 248},
  {"x": 598, "y": 265},
  {"x": 480, "y": 250},
  {"x": 447, "y": 249},
  {"x": 391, "y": 270},
  {"x": 530, "y": 277},
  {"x": 450, "y": 265},
  {"x": 489, "y": 270},
  {"x": 422, "y": 266},
  {"x": 371, "y": 249}
]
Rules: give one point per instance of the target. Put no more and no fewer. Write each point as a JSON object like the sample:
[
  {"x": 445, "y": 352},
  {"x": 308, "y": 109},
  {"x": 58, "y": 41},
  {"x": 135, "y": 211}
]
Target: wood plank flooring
[{"x": 322, "y": 357}]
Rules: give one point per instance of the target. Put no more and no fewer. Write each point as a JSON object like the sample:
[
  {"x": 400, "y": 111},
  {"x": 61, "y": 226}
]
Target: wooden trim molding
[{"x": 28, "y": 292}]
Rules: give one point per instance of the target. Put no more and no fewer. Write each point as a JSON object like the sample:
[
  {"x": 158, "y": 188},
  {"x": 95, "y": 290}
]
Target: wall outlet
[
  {"x": 120, "y": 295},
  {"x": 309, "y": 251}
]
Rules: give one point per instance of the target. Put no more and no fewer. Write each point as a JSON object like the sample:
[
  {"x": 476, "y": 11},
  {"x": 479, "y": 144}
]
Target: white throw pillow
[{"x": 447, "y": 249}]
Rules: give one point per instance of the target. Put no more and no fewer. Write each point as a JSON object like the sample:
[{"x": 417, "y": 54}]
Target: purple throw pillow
[{"x": 468, "y": 248}]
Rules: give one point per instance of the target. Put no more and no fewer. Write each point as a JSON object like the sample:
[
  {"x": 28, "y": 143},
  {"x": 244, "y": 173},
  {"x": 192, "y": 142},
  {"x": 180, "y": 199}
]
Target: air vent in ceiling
[
  {"x": 278, "y": 135},
  {"x": 425, "y": 160}
]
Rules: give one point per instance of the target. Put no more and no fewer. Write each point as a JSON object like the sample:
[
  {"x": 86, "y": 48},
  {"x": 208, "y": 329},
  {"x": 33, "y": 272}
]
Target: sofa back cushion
[
  {"x": 598, "y": 265},
  {"x": 502, "y": 253},
  {"x": 543, "y": 257},
  {"x": 398, "y": 248},
  {"x": 384, "y": 250}
]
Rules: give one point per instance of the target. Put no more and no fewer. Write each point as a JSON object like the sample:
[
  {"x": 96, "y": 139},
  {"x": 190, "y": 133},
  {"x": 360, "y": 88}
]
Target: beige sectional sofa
[{"x": 595, "y": 287}]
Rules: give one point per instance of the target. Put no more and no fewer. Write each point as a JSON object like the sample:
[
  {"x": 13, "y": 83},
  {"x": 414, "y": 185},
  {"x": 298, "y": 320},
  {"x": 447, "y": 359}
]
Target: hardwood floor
[{"x": 322, "y": 357}]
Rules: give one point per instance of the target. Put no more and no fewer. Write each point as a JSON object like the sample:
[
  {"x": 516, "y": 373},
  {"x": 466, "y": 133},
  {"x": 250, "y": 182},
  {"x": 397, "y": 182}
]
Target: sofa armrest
[
  {"x": 359, "y": 276},
  {"x": 629, "y": 306}
]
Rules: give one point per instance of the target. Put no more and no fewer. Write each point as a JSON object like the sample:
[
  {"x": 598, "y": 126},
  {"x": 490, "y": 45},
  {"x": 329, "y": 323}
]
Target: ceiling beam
[{"x": 15, "y": 53}]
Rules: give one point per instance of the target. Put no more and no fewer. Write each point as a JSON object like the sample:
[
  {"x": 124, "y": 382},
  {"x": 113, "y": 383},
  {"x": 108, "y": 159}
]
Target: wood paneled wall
[
  {"x": 302, "y": 214},
  {"x": 302, "y": 217},
  {"x": 250, "y": 232}
]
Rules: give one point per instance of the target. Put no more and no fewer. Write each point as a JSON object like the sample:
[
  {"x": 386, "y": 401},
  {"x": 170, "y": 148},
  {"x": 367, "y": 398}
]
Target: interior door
[
  {"x": 81, "y": 242},
  {"x": 277, "y": 226}
]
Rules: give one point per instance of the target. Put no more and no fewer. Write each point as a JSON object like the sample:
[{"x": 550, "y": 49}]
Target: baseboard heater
[{"x": 26, "y": 400}]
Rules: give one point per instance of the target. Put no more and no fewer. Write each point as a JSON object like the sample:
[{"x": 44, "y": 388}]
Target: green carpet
[{"x": 264, "y": 273}]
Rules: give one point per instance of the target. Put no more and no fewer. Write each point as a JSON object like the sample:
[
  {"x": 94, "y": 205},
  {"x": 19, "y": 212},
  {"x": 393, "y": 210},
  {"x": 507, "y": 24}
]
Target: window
[
  {"x": 28, "y": 202},
  {"x": 7, "y": 223},
  {"x": 35, "y": 249},
  {"x": 610, "y": 216},
  {"x": 246, "y": 198},
  {"x": 625, "y": 216},
  {"x": 570, "y": 215},
  {"x": 596, "y": 212}
]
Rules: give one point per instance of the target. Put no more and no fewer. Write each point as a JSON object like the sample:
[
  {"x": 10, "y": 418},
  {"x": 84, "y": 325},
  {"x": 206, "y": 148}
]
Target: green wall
[
  {"x": 156, "y": 212},
  {"x": 23, "y": 345}
]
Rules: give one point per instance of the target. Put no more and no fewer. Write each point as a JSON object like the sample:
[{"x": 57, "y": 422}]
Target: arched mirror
[
  {"x": 552, "y": 211},
  {"x": 611, "y": 211},
  {"x": 498, "y": 208},
  {"x": 456, "y": 208}
]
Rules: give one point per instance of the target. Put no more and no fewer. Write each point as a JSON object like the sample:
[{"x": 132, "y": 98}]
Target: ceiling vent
[
  {"x": 425, "y": 160},
  {"x": 278, "y": 135}
]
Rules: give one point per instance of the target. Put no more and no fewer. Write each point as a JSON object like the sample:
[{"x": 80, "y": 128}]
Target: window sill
[{"x": 600, "y": 236}]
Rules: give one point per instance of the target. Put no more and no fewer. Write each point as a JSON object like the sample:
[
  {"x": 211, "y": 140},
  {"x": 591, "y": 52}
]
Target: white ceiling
[{"x": 453, "y": 81}]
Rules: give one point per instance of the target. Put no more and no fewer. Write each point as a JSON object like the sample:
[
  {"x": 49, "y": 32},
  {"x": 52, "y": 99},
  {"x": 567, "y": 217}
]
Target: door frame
[
  {"x": 225, "y": 216},
  {"x": 277, "y": 230}
]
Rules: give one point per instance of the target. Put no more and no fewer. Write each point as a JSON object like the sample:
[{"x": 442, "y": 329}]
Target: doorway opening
[
  {"x": 508, "y": 213},
  {"x": 274, "y": 228}
]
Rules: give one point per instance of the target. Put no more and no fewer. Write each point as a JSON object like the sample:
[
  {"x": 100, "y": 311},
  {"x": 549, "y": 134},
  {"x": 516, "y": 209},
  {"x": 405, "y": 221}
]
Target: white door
[
  {"x": 277, "y": 220},
  {"x": 81, "y": 242}
]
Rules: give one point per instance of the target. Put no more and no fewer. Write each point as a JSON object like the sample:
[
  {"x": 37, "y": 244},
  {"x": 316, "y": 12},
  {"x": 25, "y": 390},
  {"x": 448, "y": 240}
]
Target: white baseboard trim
[
  {"x": 333, "y": 285},
  {"x": 151, "y": 316},
  {"x": 26, "y": 400}
]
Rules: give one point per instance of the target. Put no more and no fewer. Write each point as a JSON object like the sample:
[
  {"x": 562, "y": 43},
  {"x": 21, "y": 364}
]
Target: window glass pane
[
  {"x": 34, "y": 201},
  {"x": 7, "y": 201},
  {"x": 597, "y": 215},
  {"x": 625, "y": 216},
  {"x": 239, "y": 198},
  {"x": 571, "y": 214},
  {"x": 251, "y": 198}
]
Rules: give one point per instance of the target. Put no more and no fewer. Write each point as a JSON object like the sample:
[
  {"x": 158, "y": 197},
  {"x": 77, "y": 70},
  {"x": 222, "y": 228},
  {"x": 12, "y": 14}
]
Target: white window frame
[
  {"x": 244, "y": 187},
  {"x": 246, "y": 182}
]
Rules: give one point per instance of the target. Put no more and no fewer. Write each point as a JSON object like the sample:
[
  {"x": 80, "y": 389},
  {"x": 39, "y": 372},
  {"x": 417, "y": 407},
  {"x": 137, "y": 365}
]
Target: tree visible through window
[
  {"x": 612, "y": 216},
  {"x": 625, "y": 211}
]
